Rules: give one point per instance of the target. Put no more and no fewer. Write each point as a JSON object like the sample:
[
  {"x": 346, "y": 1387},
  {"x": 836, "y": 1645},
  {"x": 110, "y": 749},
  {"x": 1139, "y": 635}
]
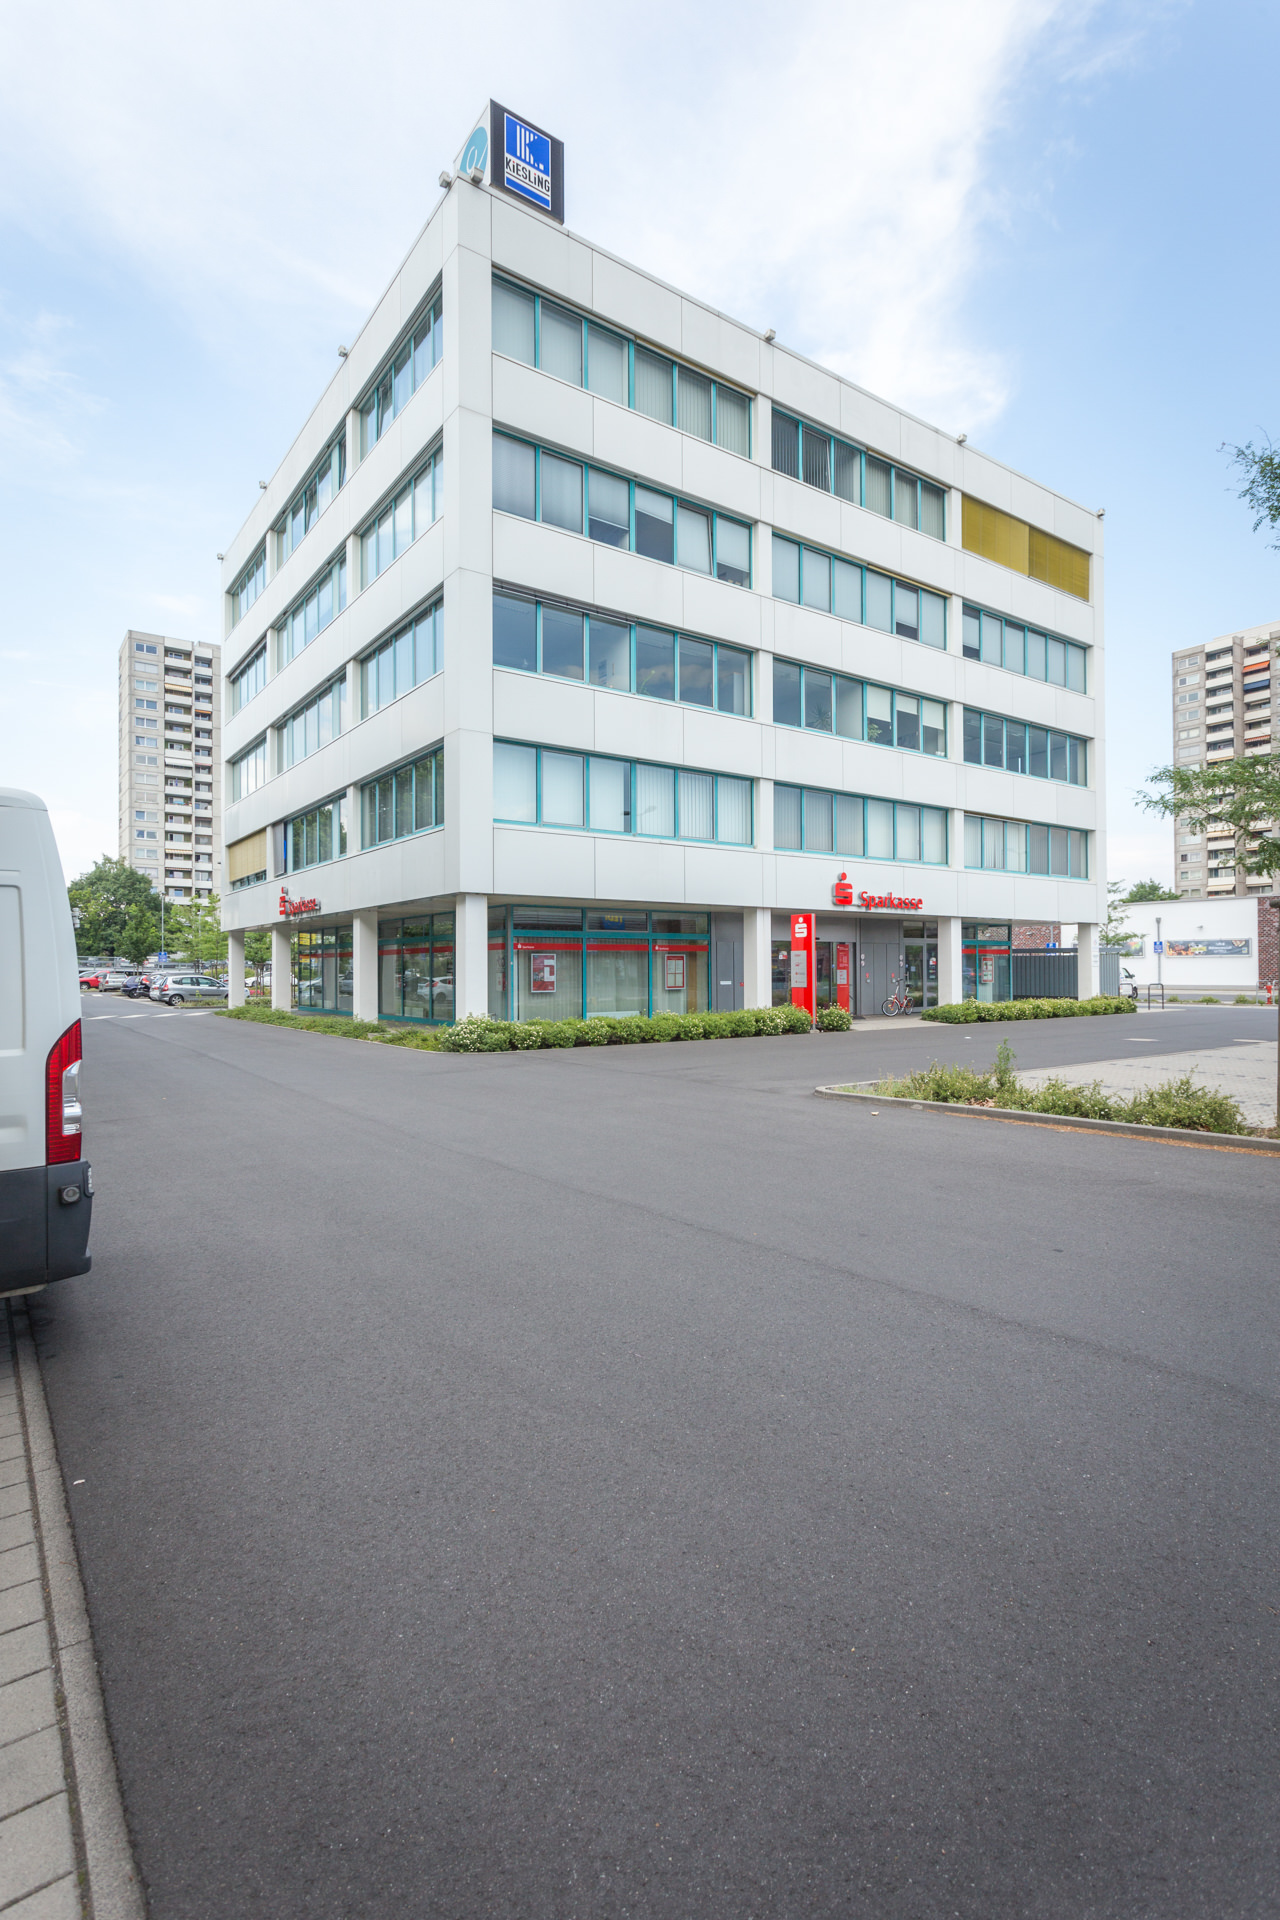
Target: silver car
[{"x": 175, "y": 988}]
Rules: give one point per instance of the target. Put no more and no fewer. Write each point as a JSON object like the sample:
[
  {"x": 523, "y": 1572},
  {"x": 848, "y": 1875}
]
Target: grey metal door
[
  {"x": 726, "y": 981},
  {"x": 881, "y": 973}
]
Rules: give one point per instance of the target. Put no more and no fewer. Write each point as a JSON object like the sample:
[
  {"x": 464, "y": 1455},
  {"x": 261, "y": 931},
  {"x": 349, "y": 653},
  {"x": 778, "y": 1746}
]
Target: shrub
[
  {"x": 1177, "y": 1103},
  {"x": 963, "y": 1012},
  {"x": 1208, "y": 1000},
  {"x": 476, "y": 1034},
  {"x": 769, "y": 1020},
  {"x": 525, "y": 1034},
  {"x": 1180, "y": 1104},
  {"x": 794, "y": 1018},
  {"x": 595, "y": 1032},
  {"x": 834, "y": 1019},
  {"x": 345, "y": 1029},
  {"x": 1245, "y": 1000}
]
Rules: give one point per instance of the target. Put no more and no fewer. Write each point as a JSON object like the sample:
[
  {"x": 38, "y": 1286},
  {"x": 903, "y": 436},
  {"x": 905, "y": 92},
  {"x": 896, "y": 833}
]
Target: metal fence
[{"x": 1052, "y": 973}]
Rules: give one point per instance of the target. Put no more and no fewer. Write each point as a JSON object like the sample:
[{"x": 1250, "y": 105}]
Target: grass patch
[
  {"x": 343, "y": 1029},
  {"x": 1175, "y": 1103},
  {"x": 962, "y": 1013},
  {"x": 479, "y": 1034}
]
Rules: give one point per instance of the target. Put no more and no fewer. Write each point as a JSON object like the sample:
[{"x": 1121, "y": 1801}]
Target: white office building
[
  {"x": 584, "y": 633},
  {"x": 170, "y": 763}
]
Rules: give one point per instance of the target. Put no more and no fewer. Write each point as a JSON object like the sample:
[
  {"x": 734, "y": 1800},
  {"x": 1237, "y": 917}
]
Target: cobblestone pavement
[{"x": 1246, "y": 1070}]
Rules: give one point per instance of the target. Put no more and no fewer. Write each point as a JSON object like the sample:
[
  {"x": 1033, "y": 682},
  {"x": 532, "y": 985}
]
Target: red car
[{"x": 88, "y": 980}]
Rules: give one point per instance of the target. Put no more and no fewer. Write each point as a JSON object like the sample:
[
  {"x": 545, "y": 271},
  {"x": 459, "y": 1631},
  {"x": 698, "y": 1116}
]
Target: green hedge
[
  {"x": 963, "y": 1012},
  {"x": 480, "y": 1035},
  {"x": 308, "y": 1022}
]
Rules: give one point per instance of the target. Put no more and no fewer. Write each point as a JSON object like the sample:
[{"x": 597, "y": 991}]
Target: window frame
[
  {"x": 895, "y": 583},
  {"x": 631, "y": 832},
  {"x": 806, "y": 430},
  {"x": 246, "y": 754},
  {"x": 286, "y": 546},
  {"x": 369, "y": 797},
  {"x": 541, "y": 603},
  {"x": 833, "y": 794},
  {"x": 970, "y": 609},
  {"x": 863, "y": 683},
  {"x": 257, "y": 659},
  {"x": 1075, "y": 835},
  {"x": 677, "y": 501},
  {"x": 629, "y": 341},
  {"x": 336, "y": 572},
  {"x": 429, "y": 314},
  {"x": 255, "y": 576},
  {"x": 335, "y": 691},
  {"x": 337, "y": 805},
  {"x": 432, "y": 464},
  {"x": 1077, "y": 746},
  {"x": 433, "y": 606}
]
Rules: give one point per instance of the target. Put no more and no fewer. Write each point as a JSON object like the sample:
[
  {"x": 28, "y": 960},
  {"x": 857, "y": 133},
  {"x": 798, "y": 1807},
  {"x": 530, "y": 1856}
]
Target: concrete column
[
  {"x": 364, "y": 963},
  {"x": 281, "y": 969},
  {"x": 470, "y": 954},
  {"x": 1086, "y": 961},
  {"x": 235, "y": 969},
  {"x": 950, "y": 963},
  {"x": 757, "y": 957}
]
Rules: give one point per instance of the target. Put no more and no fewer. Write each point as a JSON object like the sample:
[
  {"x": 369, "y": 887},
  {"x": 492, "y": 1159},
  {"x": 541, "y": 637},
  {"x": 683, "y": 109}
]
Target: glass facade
[
  {"x": 314, "y": 612},
  {"x": 1021, "y": 649},
  {"x": 323, "y": 970},
  {"x": 415, "y": 968},
  {"x": 561, "y": 963},
  {"x": 829, "y": 584},
  {"x": 311, "y": 502},
  {"x": 600, "y": 650},
  {"x": 401, "y": 377},
  {"x": 857, "y": 709},
  {"x": 408, "y": 800},
  {"x": 811, "y": 820},
  {"x": 403, "y": 519},
  {"x": 987, "y": 950},
  {"x": 543, "y": 786},
  {"x": 992, "y": 741},
  {"x": 823, "y": 460}
]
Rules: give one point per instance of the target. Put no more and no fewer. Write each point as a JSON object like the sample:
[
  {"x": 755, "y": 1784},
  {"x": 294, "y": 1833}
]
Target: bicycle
[{"x": 900, "y": 1002}]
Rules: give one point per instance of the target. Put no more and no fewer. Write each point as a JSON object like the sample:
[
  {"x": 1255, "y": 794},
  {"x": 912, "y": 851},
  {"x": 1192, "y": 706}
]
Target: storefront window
[
  {"x": 324, "y": 970},
  {"x": 415, "y": 968},
  {"x": 987, "y": 964},
  {"x": 623, "y": 962}
]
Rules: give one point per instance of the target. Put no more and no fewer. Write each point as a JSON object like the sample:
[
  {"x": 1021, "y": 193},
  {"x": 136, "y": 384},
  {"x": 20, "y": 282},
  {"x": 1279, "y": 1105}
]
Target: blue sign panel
[{"x": 527, "y": 162}]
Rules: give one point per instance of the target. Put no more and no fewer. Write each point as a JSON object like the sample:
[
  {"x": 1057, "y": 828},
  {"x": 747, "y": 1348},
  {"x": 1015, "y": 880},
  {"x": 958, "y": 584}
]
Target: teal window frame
[
  {"x": 1018, "y": 646},
  {"x": 304, "y": 835},
  {"x": 314, "y": 498},
  {"x": 248, "y": 680},
  {"x": 250, "y": 770},
  {"x": 899, "y": 626},
  {"x": 422, "y": 637},
  {"x": 631, "y": 831},
  {"x": 978, "y": 831},
  {"x": 587, "y": 322},
  {"x": 307, "y": 618},
  {"x": 415, "y": 786},
  {"x": 435, "y": 936},
  {"x": 820, "y": 455},
  {"x": 251, "y": 583},
  {"x": 509, "y": 928},
  {"x": 615, "y": 621},
  {"x": 677, "y": 501},
  {"x": 918, "y": 807},
  {"x": 805, "y": 724},
  {"x": 424, "y": 494},
  {"x": 415, "y": 355},
  {"x": 988, "y": 727},
  {"x": 296, "y": 732}
]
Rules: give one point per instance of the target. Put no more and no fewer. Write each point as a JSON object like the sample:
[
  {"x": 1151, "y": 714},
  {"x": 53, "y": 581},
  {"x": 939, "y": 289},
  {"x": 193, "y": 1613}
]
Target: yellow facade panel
[
  {"x": 1058, "y": 564},
  {"x": 247, "y": 856},
  {"x": 1010, "y": 542}
]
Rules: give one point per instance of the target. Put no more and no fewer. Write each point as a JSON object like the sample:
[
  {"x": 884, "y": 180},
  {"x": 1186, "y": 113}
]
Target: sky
[{"x": 1046, "y": 223}]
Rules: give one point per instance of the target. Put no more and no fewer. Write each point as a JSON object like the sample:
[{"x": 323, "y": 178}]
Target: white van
[{"x": 46, "y": 1184}]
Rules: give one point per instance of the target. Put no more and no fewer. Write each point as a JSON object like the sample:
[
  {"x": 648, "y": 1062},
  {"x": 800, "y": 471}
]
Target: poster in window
[
  {"x": 542, "y": 973},
  {"x": 675, "y": 972},
  {"x": 987, "y": 969}
]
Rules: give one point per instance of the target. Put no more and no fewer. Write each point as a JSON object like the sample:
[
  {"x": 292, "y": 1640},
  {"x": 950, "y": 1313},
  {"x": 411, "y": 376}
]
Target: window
[
  {"x": 562, "y": 342},
  {"x": 811, "y": 820},
  {"x": 537, "y": 636},
  {"x": 545, "y": 786},
  {"x": 833, "y": 703},
  {"x": 249, "y": 679},
  {"x": 403, "y": 520},
  {"x": 315, "y": 725},
  {"x": 1013, "y": 846},
  {"x": 830, "y": 584},
  {"x": 1013, "y": 543},
  {"x": 992, "y": 741},
  {"x": 1021, "y": 649},
  {"x": 400, "y": 379},
  {"x": 313, "y": 613},
  {"x": 142, "y": 647},
  {"x": 246, "y": 589},
  {"x": 314, "y": 498},
  {"x": 537, "y": 484},
  {"x": 408, "y": 800},
  {"x": 310, "y": 839},
  {"x": 822, "y": 460},
  {"x": 249, "y": 770},
  {"x": 410, "y": 656}
]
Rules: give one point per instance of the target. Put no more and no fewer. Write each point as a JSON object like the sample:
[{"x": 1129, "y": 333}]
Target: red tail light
[{"x": 62, "y": 1098}]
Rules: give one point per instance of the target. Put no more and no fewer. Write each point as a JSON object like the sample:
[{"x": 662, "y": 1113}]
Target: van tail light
[{"x": 62, "y": 1114}]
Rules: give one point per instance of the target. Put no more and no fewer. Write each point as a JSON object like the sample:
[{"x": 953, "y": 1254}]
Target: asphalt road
[{"x": 615, "y": 1483}]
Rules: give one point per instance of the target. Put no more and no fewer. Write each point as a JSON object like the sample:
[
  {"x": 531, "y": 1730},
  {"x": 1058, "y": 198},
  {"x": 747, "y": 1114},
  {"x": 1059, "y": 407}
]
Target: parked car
[
  {"x": 116, "y": 980},
  {"x": 176, "y": 988},
  {"x": 88, "y": 980},
  {"x": 46, "y": 1184},
  {"x": 137, "y": 986}
]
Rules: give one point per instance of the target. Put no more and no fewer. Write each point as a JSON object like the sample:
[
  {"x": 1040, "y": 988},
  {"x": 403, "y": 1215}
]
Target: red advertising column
[{"x": 804, "y": 959}]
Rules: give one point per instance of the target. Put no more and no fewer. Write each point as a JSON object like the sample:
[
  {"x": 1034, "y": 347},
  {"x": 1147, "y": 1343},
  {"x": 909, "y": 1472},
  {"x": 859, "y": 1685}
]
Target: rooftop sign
[{"x": 517, "y": 157}]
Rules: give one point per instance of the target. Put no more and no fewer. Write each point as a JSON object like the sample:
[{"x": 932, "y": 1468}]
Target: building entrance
[{"x": 920, "y": 961}]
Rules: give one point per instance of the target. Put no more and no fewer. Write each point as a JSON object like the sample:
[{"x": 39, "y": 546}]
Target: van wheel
[{"x": 175, "y": 1000}]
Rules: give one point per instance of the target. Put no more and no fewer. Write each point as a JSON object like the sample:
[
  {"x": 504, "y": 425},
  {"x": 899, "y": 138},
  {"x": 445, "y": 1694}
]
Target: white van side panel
[{"x": 39, "y": 983}]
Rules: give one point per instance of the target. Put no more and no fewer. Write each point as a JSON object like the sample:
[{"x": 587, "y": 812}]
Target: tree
[
  {"x": 105, "y": 897},
  {"x": 1260, "y": 469},
  {"x": 1146, "y": 890},
  {"x": 193, "y": 930},
  {"x": 257, "y": 952},
  {"x": 1114, "y": 929},
  {"x": 141, "y": 936}
]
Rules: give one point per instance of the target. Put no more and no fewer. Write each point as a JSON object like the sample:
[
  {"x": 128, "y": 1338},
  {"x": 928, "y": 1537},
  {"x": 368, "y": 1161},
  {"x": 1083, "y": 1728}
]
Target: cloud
[{"x": 821, "y": 171}]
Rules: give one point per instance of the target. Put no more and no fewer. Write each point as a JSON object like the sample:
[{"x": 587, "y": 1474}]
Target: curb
[
  {"x": 105, "y": 1856},
  {"x": 1215, "y": 1142}
]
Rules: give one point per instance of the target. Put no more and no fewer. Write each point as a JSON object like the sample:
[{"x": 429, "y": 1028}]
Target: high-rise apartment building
[
  {"x": 584, "y": 633},
  {"x": 171, "y": 763},
  {"x": 1221, "y": 709}
]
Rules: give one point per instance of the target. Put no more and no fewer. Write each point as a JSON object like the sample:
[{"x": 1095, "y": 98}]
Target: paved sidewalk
[
  {"x": 64, "y": 1852},
  {"x": 1246, "y": 1070}
]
